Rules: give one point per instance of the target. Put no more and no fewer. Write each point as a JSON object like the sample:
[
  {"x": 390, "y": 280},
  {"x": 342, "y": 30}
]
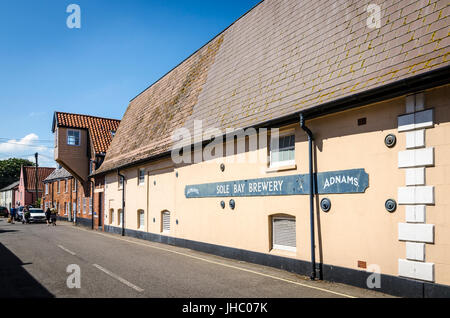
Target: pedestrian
[
  {"x": 47, "y": 215},
  {"x": 26, "y": 216},
  {"x": 12, "y": 215},
  {"x": 53, "y": 216}
]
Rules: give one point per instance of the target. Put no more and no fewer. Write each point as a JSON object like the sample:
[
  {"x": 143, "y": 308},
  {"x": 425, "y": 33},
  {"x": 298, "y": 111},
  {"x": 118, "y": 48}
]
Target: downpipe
[{"x": 311, "y": 195}]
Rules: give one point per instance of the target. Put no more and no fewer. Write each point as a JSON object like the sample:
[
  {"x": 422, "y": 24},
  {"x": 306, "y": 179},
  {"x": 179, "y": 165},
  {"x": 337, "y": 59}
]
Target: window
[
  {"x": 74, "y": 208},
  {"x": 285, "y": 154},
  {"x": 90, "y": 206},
  {"x": 84, "y": 205},
  {"x": 141, "y": 219},
  {"x": 46, "y": 188},
  {"x": 74, "y": 185},
  {"x": 66, "y": 208},
  {"x": 120, "y": 183},
  {"x": 113, "y": 133},
  {"x": 111, "y": 216},
  {"x": 57, "y": 186},
  {"x": 283, "y": 233},
  {"x": 165, "y": 222},
  {"x": 141, "y": 176},
  {"x": 73, "y": 137},
  {"x": 57, "y": 207},
  {"x": 66, "y": 183},
  {"x": 119, "y": 216}
]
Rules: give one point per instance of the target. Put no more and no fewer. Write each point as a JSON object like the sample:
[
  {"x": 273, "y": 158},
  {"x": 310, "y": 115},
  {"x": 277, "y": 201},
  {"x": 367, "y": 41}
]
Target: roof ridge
[{"x": 84, "y": 115}]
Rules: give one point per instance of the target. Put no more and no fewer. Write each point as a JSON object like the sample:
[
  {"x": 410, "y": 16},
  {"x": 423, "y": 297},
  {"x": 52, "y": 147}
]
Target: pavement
[{"x": 38, "y": 261}]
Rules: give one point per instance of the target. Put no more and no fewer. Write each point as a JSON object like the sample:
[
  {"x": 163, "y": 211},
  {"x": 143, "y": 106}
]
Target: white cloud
[{"x": 25, "y": 148}]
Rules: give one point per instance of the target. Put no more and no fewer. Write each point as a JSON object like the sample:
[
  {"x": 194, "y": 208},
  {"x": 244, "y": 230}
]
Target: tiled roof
[
  {"x": 99, "y": 128},
  {"x": 10, "y": 187},
  {"x": 60, "y": 173},
  {"x": 29, "y": 174},
  {"x": 283, "y": 57}
]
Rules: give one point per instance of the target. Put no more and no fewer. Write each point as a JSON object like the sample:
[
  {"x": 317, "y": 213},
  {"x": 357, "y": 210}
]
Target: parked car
[
  {"x": 37, "y": 215},
  {"x": 4, "y": 211}
]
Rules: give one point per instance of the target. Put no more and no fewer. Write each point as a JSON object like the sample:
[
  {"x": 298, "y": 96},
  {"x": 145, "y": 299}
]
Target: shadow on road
[{"x": 15, "y": 281}]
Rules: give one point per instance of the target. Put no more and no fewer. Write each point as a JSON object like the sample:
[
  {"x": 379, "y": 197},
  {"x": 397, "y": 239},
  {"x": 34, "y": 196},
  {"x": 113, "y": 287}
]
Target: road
[{"x": 35, "y": 257}]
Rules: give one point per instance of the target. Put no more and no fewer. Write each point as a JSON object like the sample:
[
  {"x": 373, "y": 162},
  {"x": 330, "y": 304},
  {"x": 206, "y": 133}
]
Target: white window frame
[
  {"x": 46, "y": 189},
  {"x": 90, "y": 206},
  {"x": 141, "y": 220},
  {"x": 277, "y": 164},
  {"x": 79, "y": 137},
  {"x": 74, "y": 188},
  {"x": 66, "y": 185},
  {"x": 141, "y": 178},
  {"x": 283, "y": 247},
  {"x": 58, "y": 187},
  {"x": 163, "y": 230}
]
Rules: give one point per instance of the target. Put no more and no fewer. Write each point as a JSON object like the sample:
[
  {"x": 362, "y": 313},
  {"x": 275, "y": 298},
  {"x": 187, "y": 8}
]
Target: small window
[
  {"x": 66, "y": 185},
  {"x": 141, "y": 219},
  {"x": 120, "y": 182},
  {"x": 113, "y": 133},
  {"x": 165, "y": 222},
  {"x": 141, "y": 176},
  {"x": 285, "y": 154},
  {"x": 84, "y": 205},
  {"x": 74, "y": 185},
  {"x": 120, "y": 217},
  {"x": 58, "y": 187},
  {"x": 74, "y": 208},
  {"x": 73, "y": 137},
  {"x": 66, "y": 208},
  {"x": 284, "y": 234},
  {"x": 46, "y": 188},
  {"x": 90, "y": 206},
  {"x": 111, "y": 216}
]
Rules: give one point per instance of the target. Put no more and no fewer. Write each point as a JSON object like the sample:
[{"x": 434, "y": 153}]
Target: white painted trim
[
  {"x": 416, "y": 232},
  {"x": 416, "y": 195},
  {"x": 415, "y": 139},
  {"x": 416, "y": 270},
  {"x": 415, "y": 213},
  {"x": 415, "y": 251},
  {"x": 416, "y": 158},
  {"x": 415, "y": 176}
]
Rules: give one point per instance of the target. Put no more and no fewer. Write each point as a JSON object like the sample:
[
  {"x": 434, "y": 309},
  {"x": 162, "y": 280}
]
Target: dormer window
[
  {"x": 113, "y": 133},
  {"x": 73, "y": 137}
]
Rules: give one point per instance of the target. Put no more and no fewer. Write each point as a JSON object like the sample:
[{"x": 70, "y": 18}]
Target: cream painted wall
[{"x": 358, "y": 228}]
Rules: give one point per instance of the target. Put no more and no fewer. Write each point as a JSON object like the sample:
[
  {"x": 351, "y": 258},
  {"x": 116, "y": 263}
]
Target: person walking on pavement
[
  {"x": 53, "y": 216},
  {"x": 47, "y": 216},
  {"x": 26, "y": 216},
  {"x": 12, "y": 215}
]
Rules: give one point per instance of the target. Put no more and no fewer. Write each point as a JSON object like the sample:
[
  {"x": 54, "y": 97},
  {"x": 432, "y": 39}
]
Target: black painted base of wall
[
  {"x": 79, "y": 221},
  {"x": 392, "y": 285}
]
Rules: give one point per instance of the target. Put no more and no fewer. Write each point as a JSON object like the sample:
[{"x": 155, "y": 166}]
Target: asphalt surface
[{"x": 34, "y": 260}]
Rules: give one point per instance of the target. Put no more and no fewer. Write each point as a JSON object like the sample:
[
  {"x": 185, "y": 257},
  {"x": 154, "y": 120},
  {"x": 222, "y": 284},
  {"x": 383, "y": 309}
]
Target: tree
[{"x": 10, "y": 170}]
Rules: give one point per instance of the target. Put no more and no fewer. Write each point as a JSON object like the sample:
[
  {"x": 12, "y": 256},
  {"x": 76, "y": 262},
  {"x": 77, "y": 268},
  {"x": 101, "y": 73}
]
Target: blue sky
[{"x": 123, "y": 46}]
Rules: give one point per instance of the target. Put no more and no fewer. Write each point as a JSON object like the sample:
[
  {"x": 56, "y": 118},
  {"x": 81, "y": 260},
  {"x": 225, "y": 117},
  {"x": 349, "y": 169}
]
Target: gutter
[
  {"x": 399, "y": 88},
  {"x": 311, "y": 195}
]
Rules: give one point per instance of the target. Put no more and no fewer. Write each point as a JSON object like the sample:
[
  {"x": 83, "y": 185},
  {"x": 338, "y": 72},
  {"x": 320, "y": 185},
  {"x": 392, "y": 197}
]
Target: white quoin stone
[
  {"x": 415, "y": 251},
  {"x": 415, "y": 213},
  {"x": 415, "y": 139},
  {"x": 416, "y": 158},
  {"x": 416, "y": 270},
  {"x": 415, "y": 176},
  {"x": 416, "y": 195},
  {"x": 417, "y": 120},
  {"x": 416, "y": 232}
]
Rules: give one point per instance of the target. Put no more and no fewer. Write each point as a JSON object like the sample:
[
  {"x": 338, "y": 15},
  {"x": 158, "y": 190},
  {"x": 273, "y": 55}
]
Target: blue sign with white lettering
[{"x": 346, "y": 181}]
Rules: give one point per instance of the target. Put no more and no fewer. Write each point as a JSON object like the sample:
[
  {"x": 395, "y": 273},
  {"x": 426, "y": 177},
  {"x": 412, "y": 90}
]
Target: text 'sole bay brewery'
[{"x": 360, "y": 179}]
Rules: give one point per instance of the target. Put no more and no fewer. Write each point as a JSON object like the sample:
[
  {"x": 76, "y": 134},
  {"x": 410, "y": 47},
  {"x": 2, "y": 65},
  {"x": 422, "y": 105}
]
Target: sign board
[{"x": 346, "y": 181}]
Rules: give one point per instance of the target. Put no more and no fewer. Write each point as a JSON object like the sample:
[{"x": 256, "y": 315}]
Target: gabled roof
[
  {"x": 10, "y": 187},
  {"x": 29, "y": 176},
  {"x": 99, "y": 128},
  {"x": 58, "y": 174},
  {"x": 282, "y": 58}
]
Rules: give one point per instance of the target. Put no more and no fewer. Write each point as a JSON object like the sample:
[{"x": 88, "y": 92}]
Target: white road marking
[
  {"x": 225, "y": 265},
  {"x": 65, "y": 249},
  {"x": 120, "y": 279}
]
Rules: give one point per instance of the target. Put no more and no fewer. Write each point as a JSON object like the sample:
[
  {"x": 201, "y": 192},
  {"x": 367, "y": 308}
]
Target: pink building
[{"x": 26, "y": 192}]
